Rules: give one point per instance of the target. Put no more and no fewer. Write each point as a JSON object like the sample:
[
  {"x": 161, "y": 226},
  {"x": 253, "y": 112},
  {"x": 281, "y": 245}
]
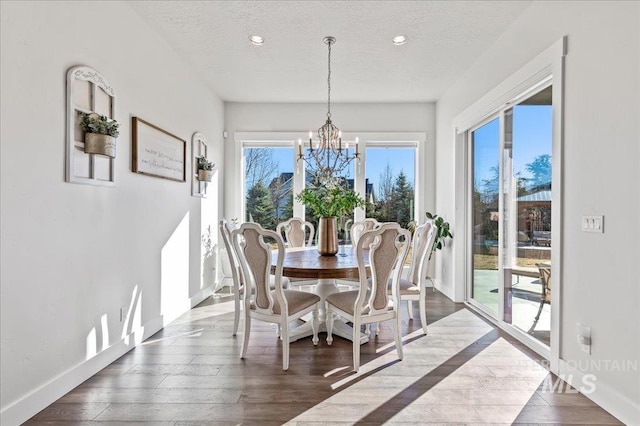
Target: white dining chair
[
  {"x": 371, "y": 303},
  {"x": 253, "y": 245},
  {"x": 413, "y": 287},
  {"x": 295, "y": 232},
  {"x": 358, "y": 228},
  {"x": 355, "y": 232},
  {"x": 238, "y": 283}
]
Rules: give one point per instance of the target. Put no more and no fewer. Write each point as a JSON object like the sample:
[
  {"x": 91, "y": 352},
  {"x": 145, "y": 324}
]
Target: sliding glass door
[{"x": 510, "y": 215}]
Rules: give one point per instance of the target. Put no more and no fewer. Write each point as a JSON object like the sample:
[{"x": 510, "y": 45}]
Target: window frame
[{"x": 424, "y": 176}]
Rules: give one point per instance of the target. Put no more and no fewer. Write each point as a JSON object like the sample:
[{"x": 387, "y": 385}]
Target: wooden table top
[{"x": 306, "y": 262}]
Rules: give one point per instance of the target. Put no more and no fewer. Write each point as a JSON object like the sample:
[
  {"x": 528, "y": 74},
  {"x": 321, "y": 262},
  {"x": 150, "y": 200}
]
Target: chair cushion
[
  {"x": 346, "y": 300},
  {"x": 296, "y": 301},
  {"x": 406, "y": 287}
]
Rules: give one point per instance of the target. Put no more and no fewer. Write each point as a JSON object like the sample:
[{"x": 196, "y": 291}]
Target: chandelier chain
[
  {"x": 329, "y": 84},
  {"x": 328, "y": 159}
]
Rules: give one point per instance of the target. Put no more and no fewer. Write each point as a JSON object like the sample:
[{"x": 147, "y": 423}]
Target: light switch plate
[{"x": 593, "y": 224}]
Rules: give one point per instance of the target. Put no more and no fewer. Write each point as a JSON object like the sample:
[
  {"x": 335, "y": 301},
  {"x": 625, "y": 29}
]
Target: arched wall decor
[
  {"x": 199, "y": 148},
  {"x": 87, "y": 92}
]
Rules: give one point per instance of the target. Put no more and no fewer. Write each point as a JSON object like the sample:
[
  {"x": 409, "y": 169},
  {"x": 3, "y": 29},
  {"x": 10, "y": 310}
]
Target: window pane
[
  {"x": 268, "y": 185},
  {"x": 344, "y": 175},
  {"x": 390, "y": 177},
  {"x": 528, "y": 198},
  {"x": 486, "y": 185}
]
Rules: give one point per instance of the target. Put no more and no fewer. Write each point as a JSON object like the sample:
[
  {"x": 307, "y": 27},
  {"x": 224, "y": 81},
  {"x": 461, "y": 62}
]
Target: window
[
  {"x": 268, "y": 185},
  {"x": 271, "y": 177},
  {"x": 389, "y": 184}
]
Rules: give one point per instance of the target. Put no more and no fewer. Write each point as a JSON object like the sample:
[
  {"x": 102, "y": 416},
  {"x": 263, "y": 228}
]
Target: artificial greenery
[
  {"x": 95, "y": 123},
  {"x": 443, "y": 231},
  {"x": 204, "y": 164},
  {"x": 330, "y": 201}
]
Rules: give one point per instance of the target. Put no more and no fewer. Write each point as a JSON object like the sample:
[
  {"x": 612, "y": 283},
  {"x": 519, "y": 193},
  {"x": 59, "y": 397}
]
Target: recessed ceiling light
[
  {"x": 399, "y": 40},
  {"x": 257, "y": 40}
]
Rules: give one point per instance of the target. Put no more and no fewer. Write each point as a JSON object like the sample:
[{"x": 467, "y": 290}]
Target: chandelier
[{"x": 327, "y": 156}]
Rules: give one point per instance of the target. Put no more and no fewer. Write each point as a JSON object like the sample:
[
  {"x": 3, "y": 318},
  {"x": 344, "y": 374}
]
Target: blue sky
[
  {"x": 532, "y": 127},
  {"x": 377, "y": 159},
  {"x": 532, "y": 133}
]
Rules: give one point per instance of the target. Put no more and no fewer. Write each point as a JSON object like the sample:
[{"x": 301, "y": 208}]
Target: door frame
[{"x": 547, "y": 67}]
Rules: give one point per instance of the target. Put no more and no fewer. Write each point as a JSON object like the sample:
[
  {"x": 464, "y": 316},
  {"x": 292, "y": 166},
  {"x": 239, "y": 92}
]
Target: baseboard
[
  {"x": 197, "y": 298},
  {"x": 618, "y": 405},
  {"x": 25, "y": 408}
]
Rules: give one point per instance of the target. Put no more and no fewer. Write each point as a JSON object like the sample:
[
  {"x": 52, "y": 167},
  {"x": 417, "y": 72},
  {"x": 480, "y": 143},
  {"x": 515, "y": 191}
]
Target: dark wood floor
[{"x": 465, "y": 371}]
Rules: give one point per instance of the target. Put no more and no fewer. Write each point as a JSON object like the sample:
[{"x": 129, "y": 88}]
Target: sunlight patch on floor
[
  {"x": 208, "y": 311},
  {"x": 385, "y": 377}
]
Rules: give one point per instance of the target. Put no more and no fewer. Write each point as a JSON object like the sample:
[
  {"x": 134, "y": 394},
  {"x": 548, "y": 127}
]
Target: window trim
[{"x": 425, "y": 176}]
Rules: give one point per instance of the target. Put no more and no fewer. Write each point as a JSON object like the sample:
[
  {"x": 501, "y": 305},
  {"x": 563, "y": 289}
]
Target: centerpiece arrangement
[{"x": 329, "y": 200}]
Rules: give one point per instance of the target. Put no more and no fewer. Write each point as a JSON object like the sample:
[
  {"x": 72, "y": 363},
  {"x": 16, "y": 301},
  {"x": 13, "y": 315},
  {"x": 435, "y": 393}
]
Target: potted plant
[
  {"x": 205, "y": 169},
  {"x": 443, "y": 231},
  {"x": 328, "y": 202},
  {"x": 100, "y": 134}
]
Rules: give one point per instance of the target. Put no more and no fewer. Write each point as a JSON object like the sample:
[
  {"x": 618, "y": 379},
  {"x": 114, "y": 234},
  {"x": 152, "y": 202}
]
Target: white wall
[
  {"x": 302, "y": 117},
  {"x": 72, "y": 255},
  {"x": 599, "y": 285}
]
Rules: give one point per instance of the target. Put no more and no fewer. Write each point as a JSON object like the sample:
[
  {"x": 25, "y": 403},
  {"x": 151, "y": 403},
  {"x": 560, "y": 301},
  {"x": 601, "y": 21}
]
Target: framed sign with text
[{"x": 156, "y": 152}]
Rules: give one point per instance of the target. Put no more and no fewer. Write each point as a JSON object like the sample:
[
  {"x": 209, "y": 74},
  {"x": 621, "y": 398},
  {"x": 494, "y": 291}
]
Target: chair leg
[
  {"x": 410, "y": 309},
  {"x": 329, "y": 324},
  {"x": 535, "y": 321},
  {"x": 247, "y": 331},
  {"x": 377, "y": 328},
  {"x": 285, "y": 345},
  {"x": 396, "y": 323},
  {"x": 314, "y": 326},
  {"x": 236, "y": 317},
  {"x": 423, "y": 312},
  {"x": 356, "y": 344}
]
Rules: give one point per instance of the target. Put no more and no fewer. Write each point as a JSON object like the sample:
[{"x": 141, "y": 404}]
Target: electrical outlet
[
  {"x": 584, "y": 337},
  {"x": 123, "y": 313}
]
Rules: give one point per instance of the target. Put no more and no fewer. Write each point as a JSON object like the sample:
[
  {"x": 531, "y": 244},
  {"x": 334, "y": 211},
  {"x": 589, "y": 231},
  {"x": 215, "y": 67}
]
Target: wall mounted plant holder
[
  {"x": 205, "y": 175},
  {"x": 90, "y": 157},
  {"x": 95, "y": 143},
  {"x": 200, "y": 177}
]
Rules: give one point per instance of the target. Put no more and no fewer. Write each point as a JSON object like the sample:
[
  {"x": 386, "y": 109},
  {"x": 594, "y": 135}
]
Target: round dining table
[{"x": 307, "y": 263}]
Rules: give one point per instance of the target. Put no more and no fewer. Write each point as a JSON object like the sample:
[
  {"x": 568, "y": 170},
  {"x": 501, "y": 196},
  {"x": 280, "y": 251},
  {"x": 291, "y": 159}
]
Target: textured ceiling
[{"x": 445, "y": 39}]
